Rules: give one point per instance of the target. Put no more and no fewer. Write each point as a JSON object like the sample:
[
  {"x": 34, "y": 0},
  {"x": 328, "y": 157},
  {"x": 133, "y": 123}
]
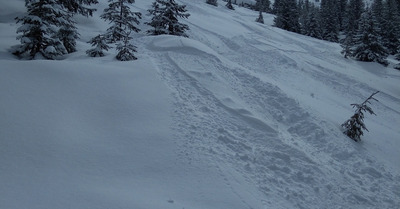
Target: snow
[{"x": 238, "y": 115}]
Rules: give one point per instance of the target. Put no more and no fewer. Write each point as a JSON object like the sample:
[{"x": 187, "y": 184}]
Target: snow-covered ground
[{"x": 239, "y": 115}]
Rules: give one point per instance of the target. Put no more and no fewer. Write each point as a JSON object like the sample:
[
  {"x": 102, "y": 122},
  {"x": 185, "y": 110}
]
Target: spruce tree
[
  {"x": 263, "y": 5},
  {"x": 353, "y": 13},
  {"x": 39, "y": 28},
  {"x": 123, "y": 20},
  {"x": 68, "y": 33},
  {"x": 329, "y": 20},
  {"x": 391, "y": 26},
  {"x": 367, "y": 42},
  {"x": 287, "y": 16},
  {"x": 212, "y": 2},
  {"x": 125, "y": 49},
  {"x": 354, "y": 126},
  {"x": 312, "y": 25},
  {"x": 260, "y": 18},
  {"x": 165, "y": 14},
  {"x": 99, "y": 42}
]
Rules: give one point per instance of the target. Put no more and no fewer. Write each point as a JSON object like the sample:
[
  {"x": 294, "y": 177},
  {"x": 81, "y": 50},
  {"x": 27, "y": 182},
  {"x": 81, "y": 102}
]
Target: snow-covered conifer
[
  {"x": 68, "y": 34},
  {"x": 100, "y": 44},
  {"x": 39, "y": 28},
  {"x": 123, "y": 20},
  {"x": 260, "y": 18},
  {"x": 354, "y": 126},
  {"x": 212, "y": 2},
  {"x": 79, "y": 6},
  {"x": 263, "y": 5},
  {"x": 126, "y": 49},
  {"x": 287, "y": 15},
  {"x": 329, "y": 20},
  {"x": 367, "y": 43},
  {"x": 165, "y": 14},
  {"x": 391, "y": 26}
]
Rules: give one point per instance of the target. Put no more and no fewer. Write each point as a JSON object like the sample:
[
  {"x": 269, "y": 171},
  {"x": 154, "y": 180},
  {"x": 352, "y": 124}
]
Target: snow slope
[{"x": 239, "y": 115}]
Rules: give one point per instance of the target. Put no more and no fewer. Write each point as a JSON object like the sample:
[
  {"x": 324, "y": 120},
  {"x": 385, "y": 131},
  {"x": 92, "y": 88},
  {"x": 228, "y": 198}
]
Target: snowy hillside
[{"x": 239, "y": 115}]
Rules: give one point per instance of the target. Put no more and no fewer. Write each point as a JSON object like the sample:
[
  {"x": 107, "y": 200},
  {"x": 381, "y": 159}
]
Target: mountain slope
[{"x": 239, "y": 115}]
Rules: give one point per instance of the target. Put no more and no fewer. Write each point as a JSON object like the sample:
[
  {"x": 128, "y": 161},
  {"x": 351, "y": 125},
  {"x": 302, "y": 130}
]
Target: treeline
[
  {"x": 367, "y": 33},
  {"x": 48, "y": 30}
]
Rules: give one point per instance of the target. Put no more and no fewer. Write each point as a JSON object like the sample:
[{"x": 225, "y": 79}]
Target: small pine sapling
[
  {"x": 100, "y": 44},
  {"x": 354, "y": 126},
  {"x": 126, "y": 49},
  {"x": 260, "y": 18}
]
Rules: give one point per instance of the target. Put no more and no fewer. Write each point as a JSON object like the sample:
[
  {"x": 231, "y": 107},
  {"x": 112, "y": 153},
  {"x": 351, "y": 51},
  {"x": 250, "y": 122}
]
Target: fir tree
[
  {"x": 68, "y": 33},
  {"x": 353, "y": 13},
  {"x": 100, "y": 44},
  {"x": 329, "y": 20},
  {"x": 123, "y": 20},
  {"x": 354, "y": 127},
  {"x": 212, "y": 2},
  {"x": 367, "y": 44},
  {"x": 287, "y": 16},
  {"x": 39, "y": 28},
  {"x": 229, "y": 5},
  {"x": 126, "y": 49},
  {"x": 391, "y": 26},
  {"x": 260, "y": 18},
  {"x": 312, "y": 25},
  {"x": 263, "y": 5},
  {"x": 165, "y": 18}
]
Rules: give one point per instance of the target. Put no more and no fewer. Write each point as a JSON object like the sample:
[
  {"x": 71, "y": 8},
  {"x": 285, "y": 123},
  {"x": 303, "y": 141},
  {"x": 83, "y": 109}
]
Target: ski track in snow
[{"x": 293, "y": 159}]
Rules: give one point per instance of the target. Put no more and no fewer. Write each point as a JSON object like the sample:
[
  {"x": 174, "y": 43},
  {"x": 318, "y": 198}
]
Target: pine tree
[
  {"x": 123, "y": 20},
  {"x": 100, "y": 44},
  {"x": 367, "y": 43},
  {"x": 126, "y": 49},
  {"x": 68, "y": 33},
  {"x": 354, "y": 127},
  {"x": 229, "y": 5},
  {"x": 260, "y": 18},
  {"x": 39, "y": 28},
  {"x": 353, "y": 13},
  {"x": 287, "y": 16},
  {"x": 212, "y": 2},
  {"x": 329, "y": 20},
  {"x": 391, "y": 26},
  {"x": 262, "y": 5},
  {"x": 165, "y": 18},
  {"x": 312, "y": 25}
]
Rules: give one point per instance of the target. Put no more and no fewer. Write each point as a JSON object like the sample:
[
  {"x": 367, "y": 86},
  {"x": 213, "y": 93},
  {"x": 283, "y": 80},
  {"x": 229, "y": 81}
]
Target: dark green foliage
[
  {"x": 260, "y": 18},
  {"x": 165, "y": 14},
  {"x": 122, "y": 19},
  {"x": 100, "y": 44},
  {"x": 262, "y": 5},
  {"x": 354, "y": 126},
  {"x": 126, "y": 49},
  {"x": 367, "y": 45},
  {"x": 329, "y": 20},
  {"x": 390, "y": 26},
  {"x": 39, "y": 28},
  {"x": 287, "y": 15}
]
